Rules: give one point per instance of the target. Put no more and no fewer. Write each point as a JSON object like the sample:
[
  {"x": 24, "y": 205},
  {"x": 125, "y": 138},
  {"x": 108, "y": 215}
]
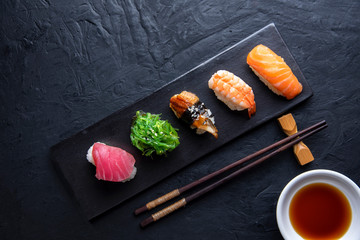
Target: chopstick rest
[{"x": 301, "y": 151}]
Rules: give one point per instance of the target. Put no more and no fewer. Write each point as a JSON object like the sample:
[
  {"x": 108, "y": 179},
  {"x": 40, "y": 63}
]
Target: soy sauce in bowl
[{"x": 320, "y": 211}]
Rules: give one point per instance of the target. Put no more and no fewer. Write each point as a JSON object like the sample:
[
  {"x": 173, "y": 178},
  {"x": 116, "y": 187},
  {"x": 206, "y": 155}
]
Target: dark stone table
[{"x": 65, "y": 65}]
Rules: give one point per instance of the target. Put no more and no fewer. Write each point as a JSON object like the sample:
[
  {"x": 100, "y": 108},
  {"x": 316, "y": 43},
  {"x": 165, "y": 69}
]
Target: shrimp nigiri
[
  {"x": 274, "y": 72},
  {"x": 233, "y": 91}
]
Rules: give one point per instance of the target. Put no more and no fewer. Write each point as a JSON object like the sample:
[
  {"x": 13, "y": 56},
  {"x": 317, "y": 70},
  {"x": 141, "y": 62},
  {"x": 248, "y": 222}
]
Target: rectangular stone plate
[{"x": 95, "y": 197}]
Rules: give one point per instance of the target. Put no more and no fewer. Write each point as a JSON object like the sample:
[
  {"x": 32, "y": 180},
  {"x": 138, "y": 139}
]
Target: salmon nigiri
[
  {"x": 274, "y": 72},
  {"x": 112, "y": 163},
  {"x": 233, "y": 91}
]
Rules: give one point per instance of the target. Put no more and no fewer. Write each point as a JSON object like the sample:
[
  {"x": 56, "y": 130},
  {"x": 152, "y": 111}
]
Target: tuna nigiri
[
  {"x": 191, "y": 110},
  {"x": 233, "y": 91},
  {"x": 112, "y": 163},
  {"x": 274, "y": 72}
]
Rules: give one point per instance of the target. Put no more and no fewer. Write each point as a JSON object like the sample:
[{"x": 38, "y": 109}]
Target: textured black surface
[
  {"x": 96, "y": 197},
  {"x": 66, "y": 65}
]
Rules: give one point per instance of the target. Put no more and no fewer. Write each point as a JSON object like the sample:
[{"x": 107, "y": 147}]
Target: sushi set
[{"x": 198, "y": 112}]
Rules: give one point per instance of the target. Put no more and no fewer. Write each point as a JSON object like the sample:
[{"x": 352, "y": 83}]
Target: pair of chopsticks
[{"x": 286, "y": 143}]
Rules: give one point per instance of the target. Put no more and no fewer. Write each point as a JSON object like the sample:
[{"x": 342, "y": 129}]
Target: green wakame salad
[{"x": 151, "y": 134}]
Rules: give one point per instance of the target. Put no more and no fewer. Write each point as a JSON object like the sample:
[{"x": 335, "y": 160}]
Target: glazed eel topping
[{"x": 191, "y": 110}]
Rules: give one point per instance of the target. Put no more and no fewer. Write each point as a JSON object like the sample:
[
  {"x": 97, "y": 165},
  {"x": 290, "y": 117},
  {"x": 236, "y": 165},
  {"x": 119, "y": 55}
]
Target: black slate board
[{"x": 95, "y": 197}]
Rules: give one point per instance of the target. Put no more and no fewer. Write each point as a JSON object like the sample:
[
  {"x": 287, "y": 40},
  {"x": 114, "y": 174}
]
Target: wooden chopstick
[
  {"x": 308, "y": 132},
  {"x": 177, "y": 192}
]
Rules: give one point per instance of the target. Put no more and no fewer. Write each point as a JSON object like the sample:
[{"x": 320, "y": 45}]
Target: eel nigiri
[
  {"x": 274, "y": 72},
  {"x": 191, "y": 110},
  {"x": 233, "y": 91},
  {"x": 112, "y": 163}
]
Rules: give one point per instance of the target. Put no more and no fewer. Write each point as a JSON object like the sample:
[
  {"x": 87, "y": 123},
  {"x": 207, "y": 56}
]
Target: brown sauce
[{"x": 320, "y": 211}]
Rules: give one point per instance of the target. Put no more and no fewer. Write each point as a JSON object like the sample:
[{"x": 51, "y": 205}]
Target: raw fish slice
[
  {"x": 274, "y": 72},
  {"x": 112, "y": 163},
  {"x": 233, "y": 91}
]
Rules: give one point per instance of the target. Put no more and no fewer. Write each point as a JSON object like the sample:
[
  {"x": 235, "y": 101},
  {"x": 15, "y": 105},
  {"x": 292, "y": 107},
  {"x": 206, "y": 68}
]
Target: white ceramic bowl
[{"x": 341, "y": 182}]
